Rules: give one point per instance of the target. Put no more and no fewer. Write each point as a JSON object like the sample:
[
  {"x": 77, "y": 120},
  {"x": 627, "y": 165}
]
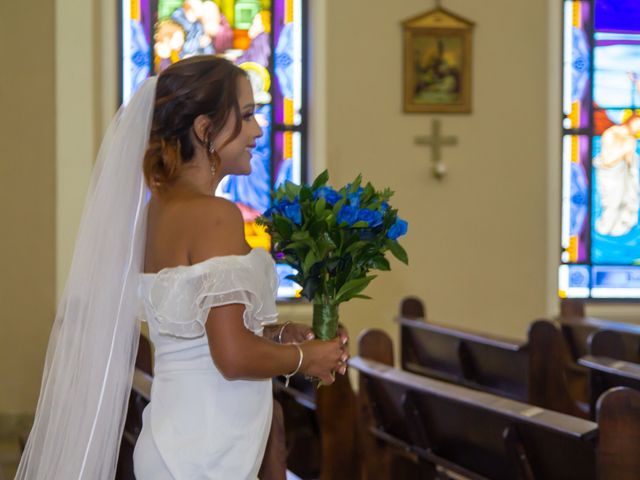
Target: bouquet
[{"x": 333, "y": 239}]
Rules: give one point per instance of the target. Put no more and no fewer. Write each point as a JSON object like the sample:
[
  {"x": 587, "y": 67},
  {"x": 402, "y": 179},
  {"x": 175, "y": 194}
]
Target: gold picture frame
[{"x": 437, "y": 63}]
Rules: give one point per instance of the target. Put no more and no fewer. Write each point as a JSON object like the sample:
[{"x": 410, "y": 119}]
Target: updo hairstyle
[{"x": 199, "y": 85}]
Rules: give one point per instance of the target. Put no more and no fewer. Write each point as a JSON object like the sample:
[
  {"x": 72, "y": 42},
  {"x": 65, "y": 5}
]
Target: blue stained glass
[
  {"x": 194, "y": 32},
  {"x": 613, "y": 85},
  {"x": 579, "y": 64},
  {"x": 611, "y": 245},
  {"x": 579, "y": 276},
  {"x": 285, "y": 172},
  {"x": 617, "y": 15},
  {"x": 579, "y": 198},
  {"x": 616, "y": 277},
  {"x": 284, "y": 60},
  {"x": 140, "y": 59}
]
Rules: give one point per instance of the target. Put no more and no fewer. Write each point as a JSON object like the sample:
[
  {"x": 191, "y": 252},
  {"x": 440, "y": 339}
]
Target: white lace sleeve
[{"x": 182, "y": 297}]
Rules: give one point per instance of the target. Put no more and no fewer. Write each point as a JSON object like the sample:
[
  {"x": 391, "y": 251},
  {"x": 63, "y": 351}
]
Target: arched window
[
  {"x": 600, "y": 155},
  {"x": 267, "y": 38}
]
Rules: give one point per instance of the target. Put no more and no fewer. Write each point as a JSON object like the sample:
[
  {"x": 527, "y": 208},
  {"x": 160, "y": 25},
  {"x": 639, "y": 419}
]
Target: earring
[{"x": 212, "y": 150}]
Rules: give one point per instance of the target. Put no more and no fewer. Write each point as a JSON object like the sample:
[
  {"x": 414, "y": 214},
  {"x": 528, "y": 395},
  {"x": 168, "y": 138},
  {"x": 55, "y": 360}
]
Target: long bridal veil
[{"x": 89, "y": 363}]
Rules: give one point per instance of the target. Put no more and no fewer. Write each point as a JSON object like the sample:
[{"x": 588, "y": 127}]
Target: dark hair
[{"x": 199, "y": 85}]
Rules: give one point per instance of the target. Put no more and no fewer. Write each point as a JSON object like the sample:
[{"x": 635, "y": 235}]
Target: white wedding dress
[{"x": 200, "y": 425}]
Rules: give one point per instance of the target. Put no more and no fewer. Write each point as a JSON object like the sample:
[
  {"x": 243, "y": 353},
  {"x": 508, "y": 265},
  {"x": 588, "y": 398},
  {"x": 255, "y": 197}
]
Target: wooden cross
[{"x": 436, "y": 142}]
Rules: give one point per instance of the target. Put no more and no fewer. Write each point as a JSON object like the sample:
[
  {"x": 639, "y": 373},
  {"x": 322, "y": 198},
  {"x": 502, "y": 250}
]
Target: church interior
[{"x": 493, "y": 353}]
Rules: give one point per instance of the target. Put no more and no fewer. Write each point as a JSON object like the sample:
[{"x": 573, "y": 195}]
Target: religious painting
[{"x": 437, "y": 63}]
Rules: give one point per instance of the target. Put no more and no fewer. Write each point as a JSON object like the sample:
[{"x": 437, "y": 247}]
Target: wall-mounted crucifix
[{"x": 436, "y": 141}]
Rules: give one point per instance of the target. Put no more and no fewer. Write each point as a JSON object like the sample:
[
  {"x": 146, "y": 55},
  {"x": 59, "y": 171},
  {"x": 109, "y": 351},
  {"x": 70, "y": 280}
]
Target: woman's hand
[
  {"x": 323, "y": 358},
  {"x": 295, "y": 333}
]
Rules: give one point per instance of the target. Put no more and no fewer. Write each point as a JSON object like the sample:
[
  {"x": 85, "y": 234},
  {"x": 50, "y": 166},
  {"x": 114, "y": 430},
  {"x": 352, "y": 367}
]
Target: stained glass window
[
  {"x": 264, "y": 37},
  {"x": 600, "y": 256}
]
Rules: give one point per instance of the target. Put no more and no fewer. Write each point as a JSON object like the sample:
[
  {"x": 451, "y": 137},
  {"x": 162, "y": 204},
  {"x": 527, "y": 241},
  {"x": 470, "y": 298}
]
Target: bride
[{"x": 154, "y": 239}]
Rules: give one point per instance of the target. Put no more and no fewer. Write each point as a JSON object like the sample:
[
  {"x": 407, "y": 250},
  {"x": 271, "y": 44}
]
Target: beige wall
[
  {"x": 27, "y": 198},
  {"x": 56, "y": 100},
  {"x": 478, "y": 240}
]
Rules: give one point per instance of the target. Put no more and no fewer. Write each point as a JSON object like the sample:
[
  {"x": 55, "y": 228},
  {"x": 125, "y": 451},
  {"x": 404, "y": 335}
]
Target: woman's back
[
  {"x": 197, "y": 422},
  {"x": 184, "y": 228}
]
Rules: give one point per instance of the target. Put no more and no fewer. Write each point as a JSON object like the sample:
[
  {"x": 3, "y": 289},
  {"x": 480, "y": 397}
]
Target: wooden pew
[
  {"x": 320, "y": 426},
  {"x": 578, "y": 330},
  {"x": 444, "y": 427},
  {"x": 606, "y": 373},
  {"x": 533, "y": 371}
]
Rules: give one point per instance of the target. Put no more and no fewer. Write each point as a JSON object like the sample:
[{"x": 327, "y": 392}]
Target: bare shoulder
[{"x": 218, "y": 229}]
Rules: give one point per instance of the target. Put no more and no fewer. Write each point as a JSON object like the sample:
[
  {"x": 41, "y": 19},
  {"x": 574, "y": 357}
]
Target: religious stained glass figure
[{"x": 600, "y": 234}]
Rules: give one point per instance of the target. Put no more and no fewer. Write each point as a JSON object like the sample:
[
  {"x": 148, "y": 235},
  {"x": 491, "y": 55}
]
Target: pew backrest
[
  {"x": 606, "y": 373},
  {"x": 472, "y": 432},
  {"x": 478, "y": 361},
  {"x": 578, "y": 330}
]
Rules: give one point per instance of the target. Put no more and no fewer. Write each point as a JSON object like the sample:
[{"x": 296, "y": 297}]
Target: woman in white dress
[
  {"x": 209, "y": 298},
  {"x": 207, "y": 294}
]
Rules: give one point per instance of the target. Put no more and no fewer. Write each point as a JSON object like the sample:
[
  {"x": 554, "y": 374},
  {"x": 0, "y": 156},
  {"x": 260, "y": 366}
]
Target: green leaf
[
  {"x": 320, "y": 180},
  {"x": 364, "y": 297},
  {"x": 309, "y": 260},
  {"x": 283, "y": 225},
  {"x": 305, "y": 193},
  {"x": 380, "y": 263},
  {"x": 360, "y": 224},
  {"x": 300, "y": 235},
  {"x": 294, "y": 278},
  {"x": 320, "y": 206},
  {"x": 353, "y": 287},
  {"x": 317, "y": 228},
  {"x": 292, "y": 190},
  {"x": 294, "y": 246},
  {"x": 355, "y": 184},
  {"x": 398, "y": 251},
  {"x": 310, "y": 287},
  {"x": 325, "y": 244},
  {"x": 355, "y": 246}
]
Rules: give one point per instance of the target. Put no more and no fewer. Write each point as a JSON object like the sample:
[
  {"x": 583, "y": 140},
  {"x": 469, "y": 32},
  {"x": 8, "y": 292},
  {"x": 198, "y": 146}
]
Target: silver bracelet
[
  {"x": 300, "y": 357},
  {"x": 279, "y": 338}
]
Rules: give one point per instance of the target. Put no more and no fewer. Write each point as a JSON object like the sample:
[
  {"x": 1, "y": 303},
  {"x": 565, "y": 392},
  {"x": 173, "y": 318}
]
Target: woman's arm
[
  {"x": 239, "y": 353},
  {"x": 236, "y": 351}
]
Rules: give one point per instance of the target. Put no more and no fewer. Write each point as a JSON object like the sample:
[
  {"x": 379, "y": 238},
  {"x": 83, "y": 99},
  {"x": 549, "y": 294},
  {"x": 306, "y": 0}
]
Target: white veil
[{"x": 92, "y": 349}]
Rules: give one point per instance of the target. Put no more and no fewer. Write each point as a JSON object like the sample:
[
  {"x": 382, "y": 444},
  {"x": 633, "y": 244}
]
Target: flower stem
[{"x": 325, "y": 320}]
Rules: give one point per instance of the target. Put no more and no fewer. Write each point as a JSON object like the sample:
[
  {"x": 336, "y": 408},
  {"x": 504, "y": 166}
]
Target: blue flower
[
  {"x": 292, "y": 212},
  {"x": 348, "y": 215},
  {"x": 328, "y": 193},
  {"x": 372, "y": 217},
  {"x": 354, "y": 197},
  {"x": 398, "y": 229},
  {"x": 268, "y": 214},
  {"x": 384, "y": 206}
]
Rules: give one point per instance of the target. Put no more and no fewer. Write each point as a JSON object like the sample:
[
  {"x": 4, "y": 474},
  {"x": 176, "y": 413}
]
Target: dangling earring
[{"x": 212, "y": 150}]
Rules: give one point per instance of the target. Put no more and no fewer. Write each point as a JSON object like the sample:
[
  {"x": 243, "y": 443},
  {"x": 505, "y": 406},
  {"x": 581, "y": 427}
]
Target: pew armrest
[{"x": 611, "y": 366}]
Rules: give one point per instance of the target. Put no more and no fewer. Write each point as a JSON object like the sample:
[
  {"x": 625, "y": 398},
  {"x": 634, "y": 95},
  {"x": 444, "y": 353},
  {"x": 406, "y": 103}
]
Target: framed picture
[{"x": 437, "y": 63}]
